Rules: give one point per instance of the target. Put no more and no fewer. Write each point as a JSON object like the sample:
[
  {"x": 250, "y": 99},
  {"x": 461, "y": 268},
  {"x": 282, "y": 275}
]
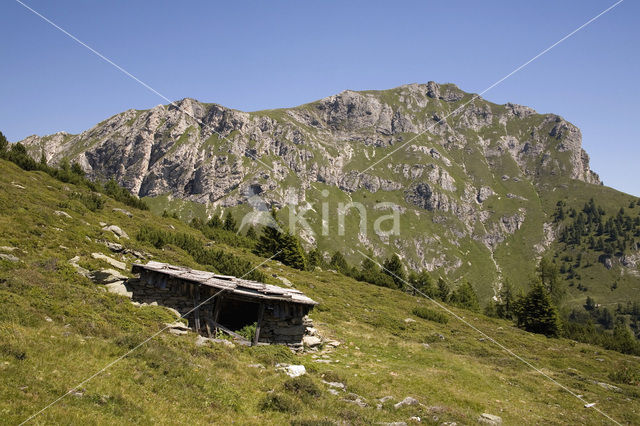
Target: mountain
[
  {"x": 58, "y": 329},
  {"x": 474, "y": 184}
]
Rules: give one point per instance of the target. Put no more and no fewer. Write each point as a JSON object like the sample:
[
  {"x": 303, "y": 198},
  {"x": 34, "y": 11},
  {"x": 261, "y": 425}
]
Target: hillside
[
  {"x": 475, "y": 188},
  {"x": 57, "y": 328}
]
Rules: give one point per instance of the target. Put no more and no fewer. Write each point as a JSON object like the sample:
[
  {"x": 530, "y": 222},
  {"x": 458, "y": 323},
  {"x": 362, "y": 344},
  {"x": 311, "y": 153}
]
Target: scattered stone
[
  {"x": 9, "y": 249},
  {"x": 102, "y": 223},
  {"x": 106, "y": 276},
  {"x": 490, "y": 419},
  {"x": 260, "y": 366},
  {"x": 311, "y": 341},
  {"x": 118, "y": 287},
  {"x": 17, "y": 185},
  {"x": 74, "y": 262},
  {"x": 202, "y": 341},
  {"x": 223, "y": 342},
  {"x": 415, "y": 419},
  {"x": 333, "y": 392},
  {"x": 47, "y": 319},
  {"x": 111, "y": 261},
  {"x": 9, "y": 258},
  {"x": 336, "y": 385},
  {"x": 385, "y": 398},
  {"x": 117, "y": 231},
  {"x": 114, "y": 247},
  {"x": 292, "y": 370},
  {"x": 409, "y": 320},
  {"x": 332, "y": 343},
  {"x": 355, "y": 399},
  {"x": 284, "y": 281},
  {"x": 408, "y": 401},
  {"x": 177, "y": 331},
  {"x": 123, "y": 211},
  {"x": 178, "y": 325},
  {"x": 174, "y": 312},
  {"x": 63, "y": 214}
]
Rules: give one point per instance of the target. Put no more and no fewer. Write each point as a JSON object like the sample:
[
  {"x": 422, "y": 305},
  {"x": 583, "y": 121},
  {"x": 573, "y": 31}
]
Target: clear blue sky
[{"x": 259, "y": 55}]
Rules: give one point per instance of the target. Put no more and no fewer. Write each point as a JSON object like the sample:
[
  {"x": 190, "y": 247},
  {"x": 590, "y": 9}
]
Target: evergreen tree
[
  {"x": 4, "y": 145},
  {"x": 251, "y": 233},
  {"x": 395, "y": 269},
  {"x": 339, "y": 263},
  {"x": 590, "y": 304},
  {"x": 506, "y": 306},
  {"x": 466, "y": 297},
  {"x": 215, "y": 221},
  {"x": 443, "y": 290},
  {"x": 270, "y": 242},
  {"x": 230, "y": 223},
  {"x": 315, "y": 258},
  {"x": 370, "y": 272},
  {"x": 423, "y": 282},
  {"x": 536, "y": 312},
  {"x": 291, "y": 252},
  {"x": 550, "y": 278}
]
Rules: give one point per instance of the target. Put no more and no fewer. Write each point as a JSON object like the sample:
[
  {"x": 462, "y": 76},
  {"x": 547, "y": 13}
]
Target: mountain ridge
[{"x": 475, "y": 186}]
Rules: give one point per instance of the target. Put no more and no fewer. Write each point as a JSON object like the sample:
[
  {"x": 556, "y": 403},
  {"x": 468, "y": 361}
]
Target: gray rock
[
  {"x": 117, "y": 231},
  {"x": 490, "y": 419},
  {"x": 124, "y": 212},
  {"x": 9, "y": 258},
  {"x": 311, "y": 341},
  {"x": 111, "y": 261},
  {"x": 408, "y": 401},
  {"x": 119, "y": 288},
  {"x": 63, "y": 214}
]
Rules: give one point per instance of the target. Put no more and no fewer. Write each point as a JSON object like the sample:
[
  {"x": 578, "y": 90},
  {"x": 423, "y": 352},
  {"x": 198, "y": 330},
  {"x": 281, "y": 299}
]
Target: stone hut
[{"x": 213, "y": 302}]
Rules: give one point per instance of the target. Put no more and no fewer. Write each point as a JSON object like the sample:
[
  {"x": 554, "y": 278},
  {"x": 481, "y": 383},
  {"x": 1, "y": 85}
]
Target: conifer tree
[
  {"x": 251, "y": 233},
  {"x": 339, "y": 262},
  {"x": 230, "y": 223},
  {"x": 466, "y": 297},
  {"x": 443, "y": 290},
  {"x": 536, "y": 312},
  {"x": 395, "y": 269}
]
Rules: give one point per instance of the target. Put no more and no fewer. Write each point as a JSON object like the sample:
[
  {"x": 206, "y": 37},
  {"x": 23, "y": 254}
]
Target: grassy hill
[{"x": 57, "y": 329}]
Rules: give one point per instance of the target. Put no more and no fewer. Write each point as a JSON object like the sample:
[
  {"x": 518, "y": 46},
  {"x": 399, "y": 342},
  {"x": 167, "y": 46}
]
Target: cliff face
[{"x": 472, "y": 172}]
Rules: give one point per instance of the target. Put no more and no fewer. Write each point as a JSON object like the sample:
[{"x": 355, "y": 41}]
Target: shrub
[
  {"x": 431, "y": 315},
  {"x": 279, "y": 402},
  {"x": 248, "y": 331},
  {"x": 92, "y": 201},
  {"x": 303, "y": 386}
]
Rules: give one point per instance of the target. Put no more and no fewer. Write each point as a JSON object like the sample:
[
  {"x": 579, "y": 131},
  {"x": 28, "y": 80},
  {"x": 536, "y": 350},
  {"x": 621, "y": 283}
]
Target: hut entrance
[{"x": 235, "y": 314}]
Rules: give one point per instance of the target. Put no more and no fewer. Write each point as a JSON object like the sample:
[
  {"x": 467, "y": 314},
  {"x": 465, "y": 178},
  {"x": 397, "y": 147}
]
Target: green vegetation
[
  {"x": 431, "y": 315},
  {"x": 57, "y": 328}
]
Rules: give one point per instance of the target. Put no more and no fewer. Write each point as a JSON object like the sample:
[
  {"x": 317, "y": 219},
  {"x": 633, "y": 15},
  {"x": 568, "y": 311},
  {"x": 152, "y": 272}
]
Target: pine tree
[
  {"x": 291, "y": 252},
  {"x": 550, "y": 278},
  {"x": 395, "y": 269},
  {"x": 315, "y": 258},
  {"x": 230, "y": 223},
  {"x": 270, "y": 242},
  {"x": 536, "y": 312},
  {"x": 251, "y": 233},
  {"x": 423, "y": 282},
  {"x": 505, "y": 307},
  {"x": 4, "y": 145},
  {"x": 443, "y": 290},
  {"x": 339, "y": 263},
  {"x": 466, "y": 297}
]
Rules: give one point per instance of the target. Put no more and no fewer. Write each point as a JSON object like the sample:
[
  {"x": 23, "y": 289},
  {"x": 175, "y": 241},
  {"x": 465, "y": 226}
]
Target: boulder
[
  {"x": 118, "y": 287},
  {"x": 111, "y": 261},
  {"x": 292, "y": 370},
  {"x": 408, "y": 401},
  {"x": 117, "y": 231},
  {"x": 311, "y": 341},
  {"x": 123, "y": 211},
  {"x": 9, "y": 258},
  {"x": 490, "y": 419},
  {"x": 61, "y": 213}
]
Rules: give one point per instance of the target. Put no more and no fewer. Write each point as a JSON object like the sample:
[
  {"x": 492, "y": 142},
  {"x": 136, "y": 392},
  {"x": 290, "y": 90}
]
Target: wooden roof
[{"x": 232, "y": 284}]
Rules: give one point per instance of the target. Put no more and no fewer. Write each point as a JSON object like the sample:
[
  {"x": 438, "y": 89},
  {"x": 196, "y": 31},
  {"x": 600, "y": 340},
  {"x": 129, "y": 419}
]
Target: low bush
[{"x": 430, "y": 315}]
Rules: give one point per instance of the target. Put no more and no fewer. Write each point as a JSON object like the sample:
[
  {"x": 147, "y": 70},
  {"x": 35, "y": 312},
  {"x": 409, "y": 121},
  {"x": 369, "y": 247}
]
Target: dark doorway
[{"x": 235, "y": 314}]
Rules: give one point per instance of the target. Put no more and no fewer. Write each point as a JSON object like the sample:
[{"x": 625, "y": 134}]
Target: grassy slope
[{"x": 170, "y": 380}]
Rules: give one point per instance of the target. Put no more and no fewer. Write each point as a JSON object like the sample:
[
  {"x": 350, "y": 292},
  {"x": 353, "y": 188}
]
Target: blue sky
[{"x": 259, "y": 55}]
